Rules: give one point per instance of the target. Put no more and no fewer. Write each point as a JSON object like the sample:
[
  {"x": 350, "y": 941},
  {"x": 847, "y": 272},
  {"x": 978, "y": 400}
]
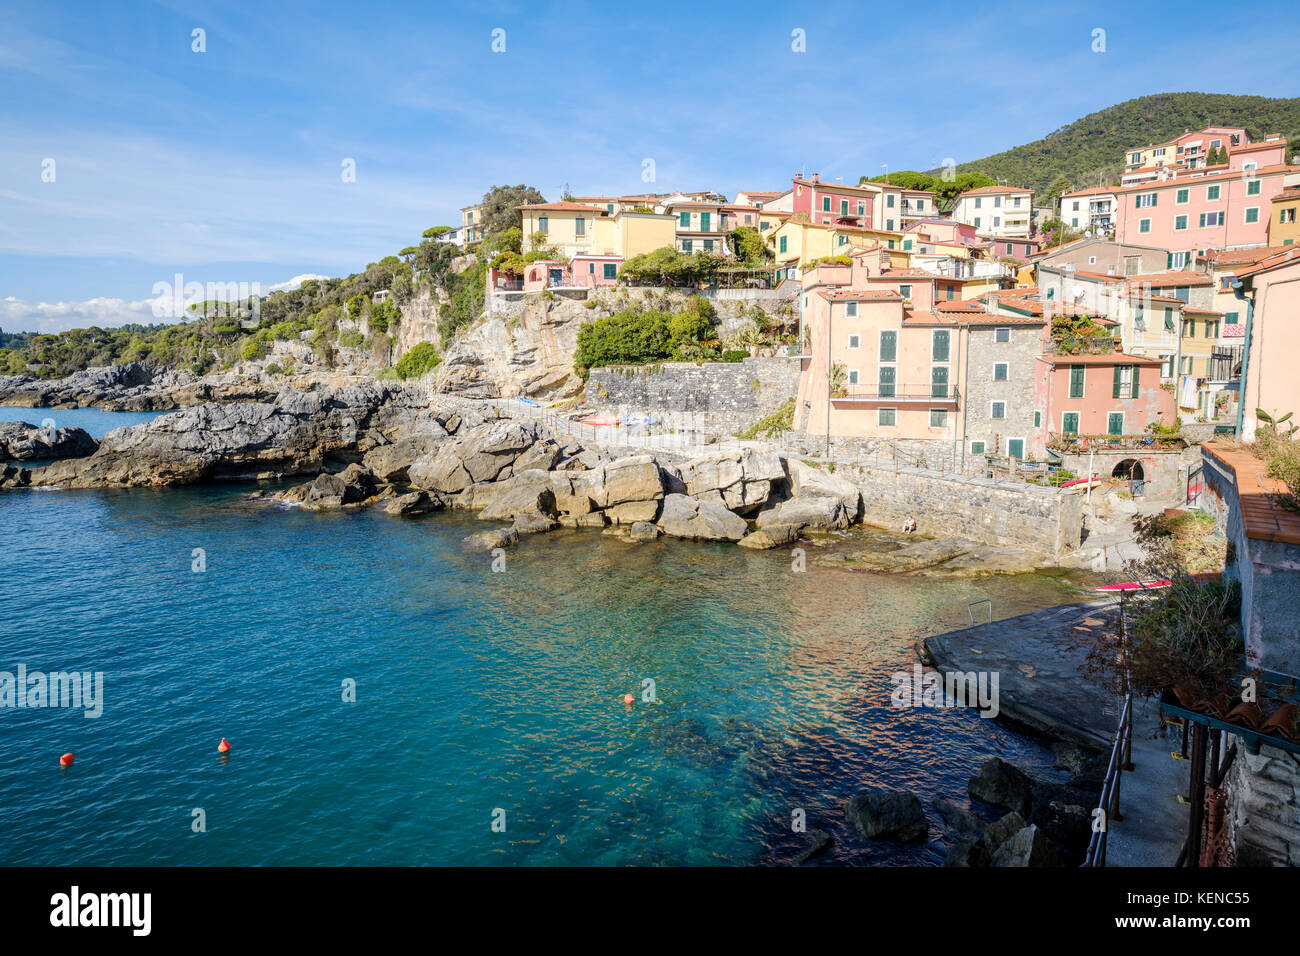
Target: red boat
[
  {"x": 1136, "y": 585},
  {"x": 599, "y": 420}
]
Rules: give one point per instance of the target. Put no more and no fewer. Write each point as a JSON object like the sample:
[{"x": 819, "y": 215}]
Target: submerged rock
[
  {"x": 492, "y": 539},
  {"x": 889, "y": 815},
  {"x": 1002, "y": 785}
]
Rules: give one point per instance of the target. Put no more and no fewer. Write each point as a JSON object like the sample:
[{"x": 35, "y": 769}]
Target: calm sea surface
[{"x": 477, "y": 694}]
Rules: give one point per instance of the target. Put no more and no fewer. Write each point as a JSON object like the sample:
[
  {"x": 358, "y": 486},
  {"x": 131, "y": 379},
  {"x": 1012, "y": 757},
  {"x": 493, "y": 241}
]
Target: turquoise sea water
[{"x": 475, "y": 691}]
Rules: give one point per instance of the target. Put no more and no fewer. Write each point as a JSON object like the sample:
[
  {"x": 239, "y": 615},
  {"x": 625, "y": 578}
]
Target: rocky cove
[{"x": 410, "y": 451}]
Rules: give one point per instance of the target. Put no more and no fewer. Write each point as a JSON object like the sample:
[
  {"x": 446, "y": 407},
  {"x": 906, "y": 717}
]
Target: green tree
[{"x": 500, "y": 205}]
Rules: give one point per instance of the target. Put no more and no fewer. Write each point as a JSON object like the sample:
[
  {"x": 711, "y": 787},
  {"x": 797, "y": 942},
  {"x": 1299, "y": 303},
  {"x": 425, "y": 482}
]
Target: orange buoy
[
  {"x": 629, "y": 699},
  {"x": 65, "y": 760},
  {"x": 223, "y": 747}
]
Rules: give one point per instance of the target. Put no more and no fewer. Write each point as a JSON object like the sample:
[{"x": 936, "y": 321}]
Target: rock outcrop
[
  {"x": 686, "y": 517},
  {"x": 807, "y": 513},
  {"x": 20, "y": 441},
  {"x": 888, "y": 815}
]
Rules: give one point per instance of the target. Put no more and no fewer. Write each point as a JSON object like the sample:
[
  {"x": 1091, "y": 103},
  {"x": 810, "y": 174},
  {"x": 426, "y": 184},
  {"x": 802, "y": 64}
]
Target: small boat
[
  {"x": 527, "y": 401},
  {"x": 1136, "y": 585},
  {"x": 598, "y": 420},
  {"x": 640, "y": 420},
  {"x": 1082, "y": 483}
]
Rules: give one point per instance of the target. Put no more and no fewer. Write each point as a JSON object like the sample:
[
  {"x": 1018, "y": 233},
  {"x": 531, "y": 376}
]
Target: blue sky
[{"x": 225, "y": 165}]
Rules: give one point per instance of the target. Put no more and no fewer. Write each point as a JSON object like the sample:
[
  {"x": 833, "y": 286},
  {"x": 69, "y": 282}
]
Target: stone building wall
[
  {"x": 1020, "y": 354},
  {"x": 1264, "y": 808}
]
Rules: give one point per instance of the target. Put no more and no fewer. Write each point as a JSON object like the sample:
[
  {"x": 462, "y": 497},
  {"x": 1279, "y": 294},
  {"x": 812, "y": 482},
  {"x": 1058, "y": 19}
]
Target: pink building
[
  {"x": 1110, "y": 394},
  {"x": 1195, "y": 211},
  {"x": 834, "y": 204}
]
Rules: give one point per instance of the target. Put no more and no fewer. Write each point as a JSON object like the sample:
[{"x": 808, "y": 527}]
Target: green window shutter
[
  {"x": 783, "y": 243},
  {"x": 939, "y": 381},
  {"x": 1134, "y": 370},
  {"x": 1076, "y": 381},
  {"x": 940, "y": 349},
  {"x": 1252, "y": 188},
  {"x": 1114, "y": 392},
  {"x": 704, "y": 222},
  {"x": 684, "y": 220},
  {"x": 1169, "y": 260},
  {"x": 889, "y": 346},
  {"x": 1202, "y": 220},
  {"x": 1155, "y": 198},
  {"x": 1115, "y": 423},
  {"x": 1070, "y": 423}
]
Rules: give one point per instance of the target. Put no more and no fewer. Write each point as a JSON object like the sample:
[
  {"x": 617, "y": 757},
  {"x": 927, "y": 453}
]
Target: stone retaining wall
[
  {"x": 1005, "y": 514},
  {"x": 1264, "y": 808},
  {"x": 728, "y": 396}
]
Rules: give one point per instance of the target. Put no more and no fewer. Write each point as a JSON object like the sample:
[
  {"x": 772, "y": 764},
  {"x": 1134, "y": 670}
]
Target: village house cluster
[{"x": 959, "y": 328}]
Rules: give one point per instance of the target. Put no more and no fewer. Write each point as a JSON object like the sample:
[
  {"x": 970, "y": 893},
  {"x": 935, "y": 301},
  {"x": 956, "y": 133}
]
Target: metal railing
[
  {"x": 1121, "y": 753},
  {"x": 947, "y": 393}
]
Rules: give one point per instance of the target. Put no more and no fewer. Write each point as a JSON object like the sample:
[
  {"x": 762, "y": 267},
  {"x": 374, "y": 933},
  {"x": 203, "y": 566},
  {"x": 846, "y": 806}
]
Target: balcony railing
[{"x": 900, "y": 393}]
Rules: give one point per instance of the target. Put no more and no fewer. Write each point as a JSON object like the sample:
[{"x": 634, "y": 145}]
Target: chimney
[{"x": 816, "y": 177}]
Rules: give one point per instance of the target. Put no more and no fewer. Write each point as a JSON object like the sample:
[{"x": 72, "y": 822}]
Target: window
[
  {"x": 543, "y": 224},
  {"x": 611, "y": 270},
  {"x": 1180, "y": 222},
  {"x": 1144, "y": 225},
  {"x": 1016, "y": 448},
  {"x": 851, "y": 312},
  {"x": 1146, "y": 200},
  {"x": 1115, "y": 423},
  {"x": 889, "y": 346},
  {"x": 580, "y": 226},
  {"x": 1252, "y": 214},
  {"x": 1126, "y": 382},
  {"x": 862, "y": 208},
  {"x": 977, "y": 222},
  {"x": 1016, "y": 202},
  {"x": 684, "y": 220},
  {"x": 1166, "y": 366},
  {"x": 938, "y": 418},
  {"x": 887, "y": 381},
  {"x": 1132, "y": 265},
  {"x": 841, "y": 239},
  {"x": 1211, "y": 219},
  {"x": 704, "y": 221},
  {"x": 998, "y": 410},
  {"x": 997, "y": 202},
  {"x": 1286, "y": 215},
  {"x": 1189, "y": 329},
  {"x": 887, "y": 417},
  {"x": 905, "y": 290},
  {"x": 1169, "y": 319},
  {"x": 782, "y": 243},
  {"x": 977, "y": 448},
  {"x": 1001, "y": 335},
  {"x": 708, "y": 245},
  {"x": 1212, "y": 192},
  {"x": 1038, "y": 419},
  {"x": 997, "y": 221},
  {"x": 1183, "y": 196},
  {"x": 1070, "y": 423},
  {"x": 1252, "y": 188},
  {"x": 826, "y": 204},
  {"x": 844, "y": 207},
  {"x": 999, "y": 371},
  {"x": 1076, "y": 381},
  {"x": 938, "y": 381},
  {"x": 853, "y": 376},
  {"x": 907, "y": 244},
  {"x": 609, "y": 208},
  {"x": 854, "y": 341},
  {"x": 889, "y": 201},
  {"x": 687, "y": 245},
  {"x": 920, "y": 205},
  {"x": 939, "y": 346},
  {"x": 889, "y": 227},
  {"x": 1075, "y": 222},
  {"x": 1008, "y": 248},
  {"x": 977, "y": 202}
]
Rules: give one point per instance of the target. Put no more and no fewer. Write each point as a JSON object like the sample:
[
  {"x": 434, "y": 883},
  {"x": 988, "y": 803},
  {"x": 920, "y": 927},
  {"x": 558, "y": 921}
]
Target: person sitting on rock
[{"x": 909, "y": 525}]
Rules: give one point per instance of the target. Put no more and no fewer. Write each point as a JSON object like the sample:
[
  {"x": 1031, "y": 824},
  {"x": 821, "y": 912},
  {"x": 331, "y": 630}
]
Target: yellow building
[
  {"x": 471, "y": 221},
  {"x": 1284, "y": 229},
  {"x": 629, "y": 234},
  {"x": 567, "y": 227},
  {"x": 796, "y": 243}
]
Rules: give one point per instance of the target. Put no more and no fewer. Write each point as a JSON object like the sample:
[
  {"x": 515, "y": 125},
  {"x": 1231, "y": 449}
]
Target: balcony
[
  {"x": 945, "y": 395},
  {"x": 1085, "y": 345}
]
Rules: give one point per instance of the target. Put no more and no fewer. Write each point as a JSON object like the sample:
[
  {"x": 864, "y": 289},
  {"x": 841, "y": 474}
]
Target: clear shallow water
[
  {"x": 94, "y": 421},
  {"x": 475, "y": 690}
]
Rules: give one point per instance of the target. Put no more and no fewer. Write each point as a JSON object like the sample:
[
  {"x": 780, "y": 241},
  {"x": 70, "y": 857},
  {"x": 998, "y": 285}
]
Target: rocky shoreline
[{"x": 399, "y": 447}]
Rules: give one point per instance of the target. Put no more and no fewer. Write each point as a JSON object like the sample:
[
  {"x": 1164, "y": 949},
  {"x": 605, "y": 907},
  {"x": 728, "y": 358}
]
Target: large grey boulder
[
  {"x": 888, "y": 815},
  {"x": 478, "y": 454},
  {"x": 741, "y": 480},
  {"x": 684, "y": 517},
  {"x": 773, "y": 536},
  {"x": 20, "y": 441},
  {"x": 815, "y": 513},
  {"x": 1027, "y": 847},
  {"x": 810, "y": 481},
  {"x": 1002, "y": 785},
  {"x": 636, "y": 478},
  {"x": 524, "y": 498},
  {"x": 414, "y": 503}
]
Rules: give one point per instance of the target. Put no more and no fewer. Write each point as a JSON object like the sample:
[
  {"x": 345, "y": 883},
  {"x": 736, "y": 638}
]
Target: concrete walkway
[
  {"x": 1039, "y": 658},
  {"x": 1155, "y": 823}
]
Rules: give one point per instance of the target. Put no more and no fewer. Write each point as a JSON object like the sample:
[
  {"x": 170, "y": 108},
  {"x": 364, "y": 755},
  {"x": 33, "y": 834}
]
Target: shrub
[
  {"x": 734, "y": 355},
  {"x": 252, "y": 350},
  {"x": 772, "y": 426},
  {"x": 423, "y": 358}
]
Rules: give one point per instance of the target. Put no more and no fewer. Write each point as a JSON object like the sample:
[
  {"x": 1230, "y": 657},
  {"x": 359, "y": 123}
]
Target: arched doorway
[{"x": 1130, "y": 469}]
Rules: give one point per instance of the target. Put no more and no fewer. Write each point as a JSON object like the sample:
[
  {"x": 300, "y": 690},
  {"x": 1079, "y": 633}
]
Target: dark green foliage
[
  {"x": 421, "y": 359},
  {"x": 734, "y": 355},
  {"x": 636, "y": 337},
  {"x": 1094, "y": 146},
  {"x": 500, "y": 206}
]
